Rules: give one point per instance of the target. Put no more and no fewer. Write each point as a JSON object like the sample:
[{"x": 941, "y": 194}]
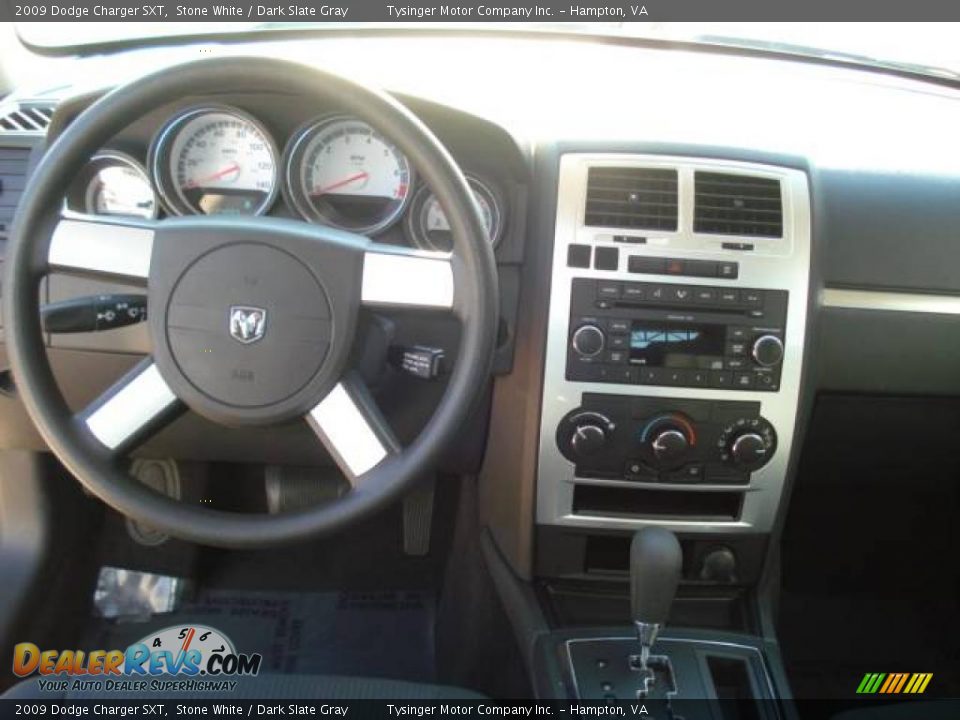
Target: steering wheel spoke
[
  {"x": 401, "y": 277},
  {"x": 103, "y": 249},
  {"x": 352, "y": 428},
  {"x": 138, "y": 405}
]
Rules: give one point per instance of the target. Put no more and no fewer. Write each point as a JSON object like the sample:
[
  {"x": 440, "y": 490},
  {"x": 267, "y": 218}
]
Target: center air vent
[
  {"x": 13, "y": 178},
  {"x": 26, "y": 119},
  {"x": 623, "y": 197},
  {"x": 737, "y": 205}
]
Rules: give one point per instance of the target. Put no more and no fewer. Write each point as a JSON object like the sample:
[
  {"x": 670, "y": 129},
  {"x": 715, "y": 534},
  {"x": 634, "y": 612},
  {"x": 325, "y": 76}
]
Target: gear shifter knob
[{"x": 655, "y": 564}]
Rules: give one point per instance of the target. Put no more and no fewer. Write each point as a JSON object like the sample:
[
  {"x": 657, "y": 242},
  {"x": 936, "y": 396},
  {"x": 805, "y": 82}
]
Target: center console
[
  {"x": 675, "y": 341},
  {"x": 676, "y": 330}
]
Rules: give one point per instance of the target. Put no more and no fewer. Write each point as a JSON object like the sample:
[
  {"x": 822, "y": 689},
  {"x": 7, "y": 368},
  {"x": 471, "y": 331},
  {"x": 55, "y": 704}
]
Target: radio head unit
[{"x": 675, "y": 335}]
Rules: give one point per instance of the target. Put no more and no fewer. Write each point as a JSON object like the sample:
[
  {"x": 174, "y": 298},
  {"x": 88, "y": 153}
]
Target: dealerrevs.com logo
[{"x": 177, "y": 658}]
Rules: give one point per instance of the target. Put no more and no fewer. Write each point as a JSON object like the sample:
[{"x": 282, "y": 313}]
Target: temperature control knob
[
  {"x": 668, "y": 439},
  {"x": 768, "y": 350},
  {"x": 588, "y": 340}
]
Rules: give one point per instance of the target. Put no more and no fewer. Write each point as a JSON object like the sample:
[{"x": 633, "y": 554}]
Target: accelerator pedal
[{"x": 418, "y": 518}]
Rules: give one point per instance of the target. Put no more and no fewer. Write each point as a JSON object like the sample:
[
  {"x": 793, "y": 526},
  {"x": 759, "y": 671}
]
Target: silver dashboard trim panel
[
  {"x": 882, "y": 301},
  {"x": 782, "y": 264}
]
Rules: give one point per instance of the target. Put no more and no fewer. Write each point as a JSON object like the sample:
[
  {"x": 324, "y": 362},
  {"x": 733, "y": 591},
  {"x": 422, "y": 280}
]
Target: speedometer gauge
[
  {"x": 215, "y": 161},
  {"x": 427, "y": 224},
  {"x": 342, "y": 172}
]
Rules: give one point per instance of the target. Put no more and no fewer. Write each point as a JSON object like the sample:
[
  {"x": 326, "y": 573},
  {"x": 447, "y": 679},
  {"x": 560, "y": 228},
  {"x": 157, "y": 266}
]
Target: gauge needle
[
  {"x": 340, "y": 183},
  {"x": 235, "y": 167}
]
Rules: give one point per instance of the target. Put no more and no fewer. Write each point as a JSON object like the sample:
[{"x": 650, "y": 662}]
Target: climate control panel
[{"x": 666, "y": 440}]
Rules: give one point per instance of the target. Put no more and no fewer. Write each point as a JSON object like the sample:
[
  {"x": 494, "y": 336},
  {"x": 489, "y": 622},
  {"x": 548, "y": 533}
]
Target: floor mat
[{"x": 374, "y": 634}]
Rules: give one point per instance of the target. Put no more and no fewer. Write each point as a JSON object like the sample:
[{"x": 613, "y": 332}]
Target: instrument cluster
[{"x": 333, "y": 170}]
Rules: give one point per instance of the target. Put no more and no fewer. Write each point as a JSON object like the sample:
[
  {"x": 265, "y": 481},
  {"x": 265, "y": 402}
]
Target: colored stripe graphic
[{"x": 894, "y": 683}]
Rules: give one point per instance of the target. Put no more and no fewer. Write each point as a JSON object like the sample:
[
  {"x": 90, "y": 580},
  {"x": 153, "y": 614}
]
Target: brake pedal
[
  {"x": 164, "y": 477},
  {"x": 294, "y": 488}
]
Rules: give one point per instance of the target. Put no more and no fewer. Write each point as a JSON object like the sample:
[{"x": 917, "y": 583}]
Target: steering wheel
[{"x": 307, "y": 282}]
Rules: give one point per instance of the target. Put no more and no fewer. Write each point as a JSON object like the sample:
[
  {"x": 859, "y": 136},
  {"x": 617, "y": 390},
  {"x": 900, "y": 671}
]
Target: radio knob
[
  {"x": 588, "y": 340},
  {"x": 749, "y": 451},
  {"x": 768, "y": 350}
]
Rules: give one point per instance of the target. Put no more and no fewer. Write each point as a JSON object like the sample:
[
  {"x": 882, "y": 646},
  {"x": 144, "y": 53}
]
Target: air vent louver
[
  {"x": 737, "y": 205},
  {"x": 26, "y": 119},
  {"x": 641, "y": 198},
  {"x": 13, "y": 178}
]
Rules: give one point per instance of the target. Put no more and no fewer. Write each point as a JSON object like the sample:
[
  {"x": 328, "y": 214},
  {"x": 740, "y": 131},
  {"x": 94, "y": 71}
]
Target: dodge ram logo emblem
[{"x": 247, "y": 324}]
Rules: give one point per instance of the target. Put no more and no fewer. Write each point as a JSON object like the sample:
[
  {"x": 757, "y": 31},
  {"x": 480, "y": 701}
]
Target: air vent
[
  {"x": 26, "y": 119},
  {"x": 623, "y": 197},
  {"x": 13, "y": 178},
  {"x": 737, "y": 205}
]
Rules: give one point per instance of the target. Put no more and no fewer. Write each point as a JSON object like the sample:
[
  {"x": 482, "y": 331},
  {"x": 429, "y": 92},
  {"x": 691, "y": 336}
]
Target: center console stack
[{"x": 676, "y": 328}]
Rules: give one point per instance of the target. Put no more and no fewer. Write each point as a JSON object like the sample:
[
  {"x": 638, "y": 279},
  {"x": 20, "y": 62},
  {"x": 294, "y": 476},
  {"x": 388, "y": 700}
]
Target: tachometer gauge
[
  {"x": 112, "y": 183},
  {"x": 427, "y": 224},
  {"x": 342, "y": 172},
  {"x": 215, "y": 161}
]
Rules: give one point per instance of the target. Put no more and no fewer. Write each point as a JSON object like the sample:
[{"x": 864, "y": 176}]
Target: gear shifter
[{"x": 655, "y": 564}]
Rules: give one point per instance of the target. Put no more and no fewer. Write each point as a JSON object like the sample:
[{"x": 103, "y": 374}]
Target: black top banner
[{"x": 474, "y": 11}]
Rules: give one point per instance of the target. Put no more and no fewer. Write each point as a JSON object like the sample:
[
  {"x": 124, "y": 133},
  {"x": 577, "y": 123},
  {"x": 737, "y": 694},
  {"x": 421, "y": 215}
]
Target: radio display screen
[{"x": 677, "y": 345}]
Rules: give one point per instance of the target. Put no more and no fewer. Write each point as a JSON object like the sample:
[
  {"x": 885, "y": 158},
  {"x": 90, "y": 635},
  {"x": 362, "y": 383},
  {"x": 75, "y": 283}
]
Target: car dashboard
[{"x": 690, "y": 249}]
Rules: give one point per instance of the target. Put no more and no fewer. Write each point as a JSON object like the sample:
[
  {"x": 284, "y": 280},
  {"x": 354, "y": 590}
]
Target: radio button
[
  {"x": 658, "y": 293},
  {"x": 675, "y": 377},
  {"x": 707, "y": 296},
  {"x": 608, "y": 290},
  {"x": 736, "y": 349},
  {"x": 624, "y": 375},
  {"x": 619, "y": 326},
  {"x": 735, "y": 363},
  {"x": 766, "y": 381},
  {"x": 652, "y": 376},
  {"x": 721, "y": 379}
]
